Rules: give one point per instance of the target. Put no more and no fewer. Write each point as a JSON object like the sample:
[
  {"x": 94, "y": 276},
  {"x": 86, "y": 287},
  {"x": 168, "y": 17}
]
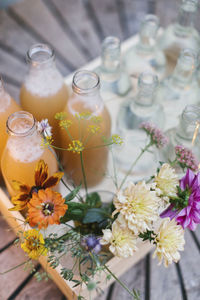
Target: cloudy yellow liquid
[
  {"x": 7, "y": 107},
  {"x": 94, "y": 159}
]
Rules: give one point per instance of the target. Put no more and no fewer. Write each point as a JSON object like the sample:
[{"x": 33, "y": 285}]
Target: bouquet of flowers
[{"x": 91, "y": 231}]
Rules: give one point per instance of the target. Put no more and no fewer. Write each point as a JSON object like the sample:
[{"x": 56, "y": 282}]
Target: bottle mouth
[
  {"x": 189, "y": 5},
  {"x": 149, "y": 26},
  {"x": 85, "y": 82},
  {"x": 111, "y": 43},
  {"x": 40, "y": 54},
  {"x": 148, "y": 80},
  {"x": 21, "y": 123},
  {"x": 191, "y": 114}
]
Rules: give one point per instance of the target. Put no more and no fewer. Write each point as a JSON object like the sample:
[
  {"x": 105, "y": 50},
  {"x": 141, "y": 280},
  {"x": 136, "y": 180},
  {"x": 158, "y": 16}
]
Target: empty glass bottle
[
  {"x": 179, "y": 89},
  {"x": 181, "y": 34},
  {"x": 114, "y": 79},
  {"x": 146, "y": 55},
  {"x": 43, "y": 92},
  {"x": 7, "y": 107},
  {"x": 183, "y": 134},
  {"x": 141, "y": 108}
]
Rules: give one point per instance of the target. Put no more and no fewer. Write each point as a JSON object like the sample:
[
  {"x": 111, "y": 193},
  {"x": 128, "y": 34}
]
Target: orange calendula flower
[
  {"x": 46, "y": 208},
  {"x": 42, "y": 181}
]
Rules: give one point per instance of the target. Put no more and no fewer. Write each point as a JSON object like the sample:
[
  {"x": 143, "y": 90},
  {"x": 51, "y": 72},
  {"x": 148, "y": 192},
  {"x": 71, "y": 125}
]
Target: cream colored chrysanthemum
[
  {"x": 167, "y": 180},
  {"x": 138, "y": 205},
  {"x": 169, "y": 240},
  {"x": 121, "y": 239}
]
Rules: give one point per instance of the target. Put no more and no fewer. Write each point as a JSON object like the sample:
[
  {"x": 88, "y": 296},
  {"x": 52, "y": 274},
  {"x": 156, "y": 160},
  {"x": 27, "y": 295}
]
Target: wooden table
[{"x": 75, "y": 28}]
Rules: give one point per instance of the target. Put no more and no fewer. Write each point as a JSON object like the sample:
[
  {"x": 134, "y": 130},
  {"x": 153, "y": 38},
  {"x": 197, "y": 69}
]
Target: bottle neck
[
  {"x": 111, "y": 55},
  {"x": 148, "y": 33},
  {"x": 185, "y": 69},
  {"x": 186, "y": 17},
  {"x": 147, "y": 84}
]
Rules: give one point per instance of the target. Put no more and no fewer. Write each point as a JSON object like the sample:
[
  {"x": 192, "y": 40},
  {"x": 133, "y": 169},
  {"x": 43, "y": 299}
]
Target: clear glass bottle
[
  {"x": 183, "y": 134},
  {"x": 181, "y": 34},
  {"x": 146, "y": 55},
  {"x": 179, "y": 89},
  {"x": 86, "y": 110},
  {"x": 141, "y": 108},
  {"x": 114, "y": 79},
  {"x": 43, "y": 92},
  {"x": 23, "y": 150},
  {"x": 7, "y": 107}
]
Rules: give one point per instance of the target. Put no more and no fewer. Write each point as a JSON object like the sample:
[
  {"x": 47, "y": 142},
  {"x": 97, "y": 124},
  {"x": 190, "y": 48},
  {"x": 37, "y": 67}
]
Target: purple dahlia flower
[{"x": 189, "y": 216}]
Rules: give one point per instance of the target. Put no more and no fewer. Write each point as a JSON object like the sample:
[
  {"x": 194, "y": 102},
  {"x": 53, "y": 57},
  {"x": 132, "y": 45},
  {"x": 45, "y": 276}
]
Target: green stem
[
  {"x": 23, "y": 263},
  {"x": 121, "y": 283},
  {"x": 135, "y": 162},
  {"x": 114, "y": 170},
  {"x": 83, "y": 172}
]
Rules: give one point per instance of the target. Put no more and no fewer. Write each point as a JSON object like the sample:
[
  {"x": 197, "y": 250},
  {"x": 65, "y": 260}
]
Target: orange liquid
[
  {"x": 95, "y": 160},
  {"x": 7, "y": 107},
  {"x": 19, "y": 164},
  {"x": 45, "y": 107}
]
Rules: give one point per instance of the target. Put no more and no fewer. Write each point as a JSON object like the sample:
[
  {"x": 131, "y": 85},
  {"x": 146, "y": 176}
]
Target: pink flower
[
  {"x": 186, "y": 158},
  {"x": 188, "y": 216},
  {"x": 156, "y": 135}
]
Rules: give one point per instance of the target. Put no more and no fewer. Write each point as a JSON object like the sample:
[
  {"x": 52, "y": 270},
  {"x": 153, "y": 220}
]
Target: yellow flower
[
  {"x": 76, "y": 146},
  {"x": 166, "y": 181},
  {"x": 84, "y": 115},
  {"x": 138, "y": 205},
  {"x": 47, "y": 141},
  {"x": 93, "y": 128},
  {"x": 60, "y": 115},
  {"x": 34, "y": 244},
  {"x": 169, "y": 241},
  {"x": 96, "y": 119},
  {"x": 116, "y": 139},
  {"x": 121, "y": 239},
  {"x": 64, "y": 124}
]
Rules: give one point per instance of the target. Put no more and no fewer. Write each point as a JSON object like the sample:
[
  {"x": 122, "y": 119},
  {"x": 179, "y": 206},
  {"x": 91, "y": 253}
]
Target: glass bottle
[
  {"x": 146, "y": 55},
  {"x": 183, "y": 134},
  {"x": 23, "y": 150},
  {"x": 141, "y": 108},
  {"x": 179, "y": 89},
  {"x": 114, "y": 79},
  {"x": 86, "y": 110},
  {"x": 181, "y": 34},
  {"x": 43, "y": 92},
  {"x": 7, "y": 107}
]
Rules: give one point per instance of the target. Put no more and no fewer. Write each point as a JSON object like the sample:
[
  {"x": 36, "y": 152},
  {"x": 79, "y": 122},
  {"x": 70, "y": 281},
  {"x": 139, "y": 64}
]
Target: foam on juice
[{"x": 44, "y": 82}]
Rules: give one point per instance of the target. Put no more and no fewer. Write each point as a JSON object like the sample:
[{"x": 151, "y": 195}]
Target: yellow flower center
[{"x": 47, "y": 208}]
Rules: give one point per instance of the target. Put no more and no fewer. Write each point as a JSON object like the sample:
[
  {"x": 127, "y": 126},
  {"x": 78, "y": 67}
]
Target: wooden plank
[
  {"x": 40, "y": 290},
  {"x": 133, "y": 279},
  {"x": 9, "y": 282},
  {"x": 105, "y": 12},
  {"x": 6, "y": 233},
  {"x": 135, "y": 11},
  {"x": 164, "y": 282},
  {"x": 189, "y": 265},
  {"x": 34, "y": 14},
  {"x": 73, "y": 17}
]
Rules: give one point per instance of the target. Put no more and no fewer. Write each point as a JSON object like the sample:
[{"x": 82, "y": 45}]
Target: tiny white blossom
[{"x": 44, "y": 128}]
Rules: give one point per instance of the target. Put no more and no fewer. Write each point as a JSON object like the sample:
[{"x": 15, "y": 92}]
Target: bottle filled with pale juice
[
  {"x": 7, "y": 107},
  {"x": 23, "y": 150},
  {"x": 88, "y": 125},
  {"x": 43, "y": 92}
]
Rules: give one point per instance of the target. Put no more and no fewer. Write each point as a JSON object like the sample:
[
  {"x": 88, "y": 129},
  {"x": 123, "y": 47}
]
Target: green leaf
[
  {"x": 76, "y": 211},
  {"x": 93, "y": 200},
  {"x": 95, "y": 215},
  {"x": 73, "y": 194}
]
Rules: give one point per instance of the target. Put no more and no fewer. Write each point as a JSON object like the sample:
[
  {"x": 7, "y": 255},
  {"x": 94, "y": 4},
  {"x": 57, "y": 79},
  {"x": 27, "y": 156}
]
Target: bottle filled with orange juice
[
  {"x": 87, "y": 123},
  {"x": 23, "y": 150},
  {"x": 7, "y": 107},
  {"x": 43, "y": 92}
]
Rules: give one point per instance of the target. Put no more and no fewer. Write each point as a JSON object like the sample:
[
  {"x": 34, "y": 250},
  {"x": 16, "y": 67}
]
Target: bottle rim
[
  {"x": 23, "y": 115},
  {"x": 82, "y": 76},
  {"x": 111, "y": 43},
  {"x": 148, "y": 79},
  {"x": 36, "y": 48},
  {"x": 191, "y": 114}
]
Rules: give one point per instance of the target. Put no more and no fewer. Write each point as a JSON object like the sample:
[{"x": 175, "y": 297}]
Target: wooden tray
[{"x": 117, "y": 265}]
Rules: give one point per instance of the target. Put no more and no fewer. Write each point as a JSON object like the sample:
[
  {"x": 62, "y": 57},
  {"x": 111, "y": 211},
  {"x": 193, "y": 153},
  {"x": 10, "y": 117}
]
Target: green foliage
[
  {"x": 182, "y": 198},
  {"x": 93, "y": 200},
  {"x": 95, "y": 215},
  {"x": 148, "y": 235},
  {"x": 73, "y": 194}
]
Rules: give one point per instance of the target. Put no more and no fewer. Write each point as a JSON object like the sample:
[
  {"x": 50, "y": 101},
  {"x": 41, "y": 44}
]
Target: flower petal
[
  {"x": 41, "y": 173},
  {"x": 20, "y": 187},
  {"x": 53, "y": 180}
]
